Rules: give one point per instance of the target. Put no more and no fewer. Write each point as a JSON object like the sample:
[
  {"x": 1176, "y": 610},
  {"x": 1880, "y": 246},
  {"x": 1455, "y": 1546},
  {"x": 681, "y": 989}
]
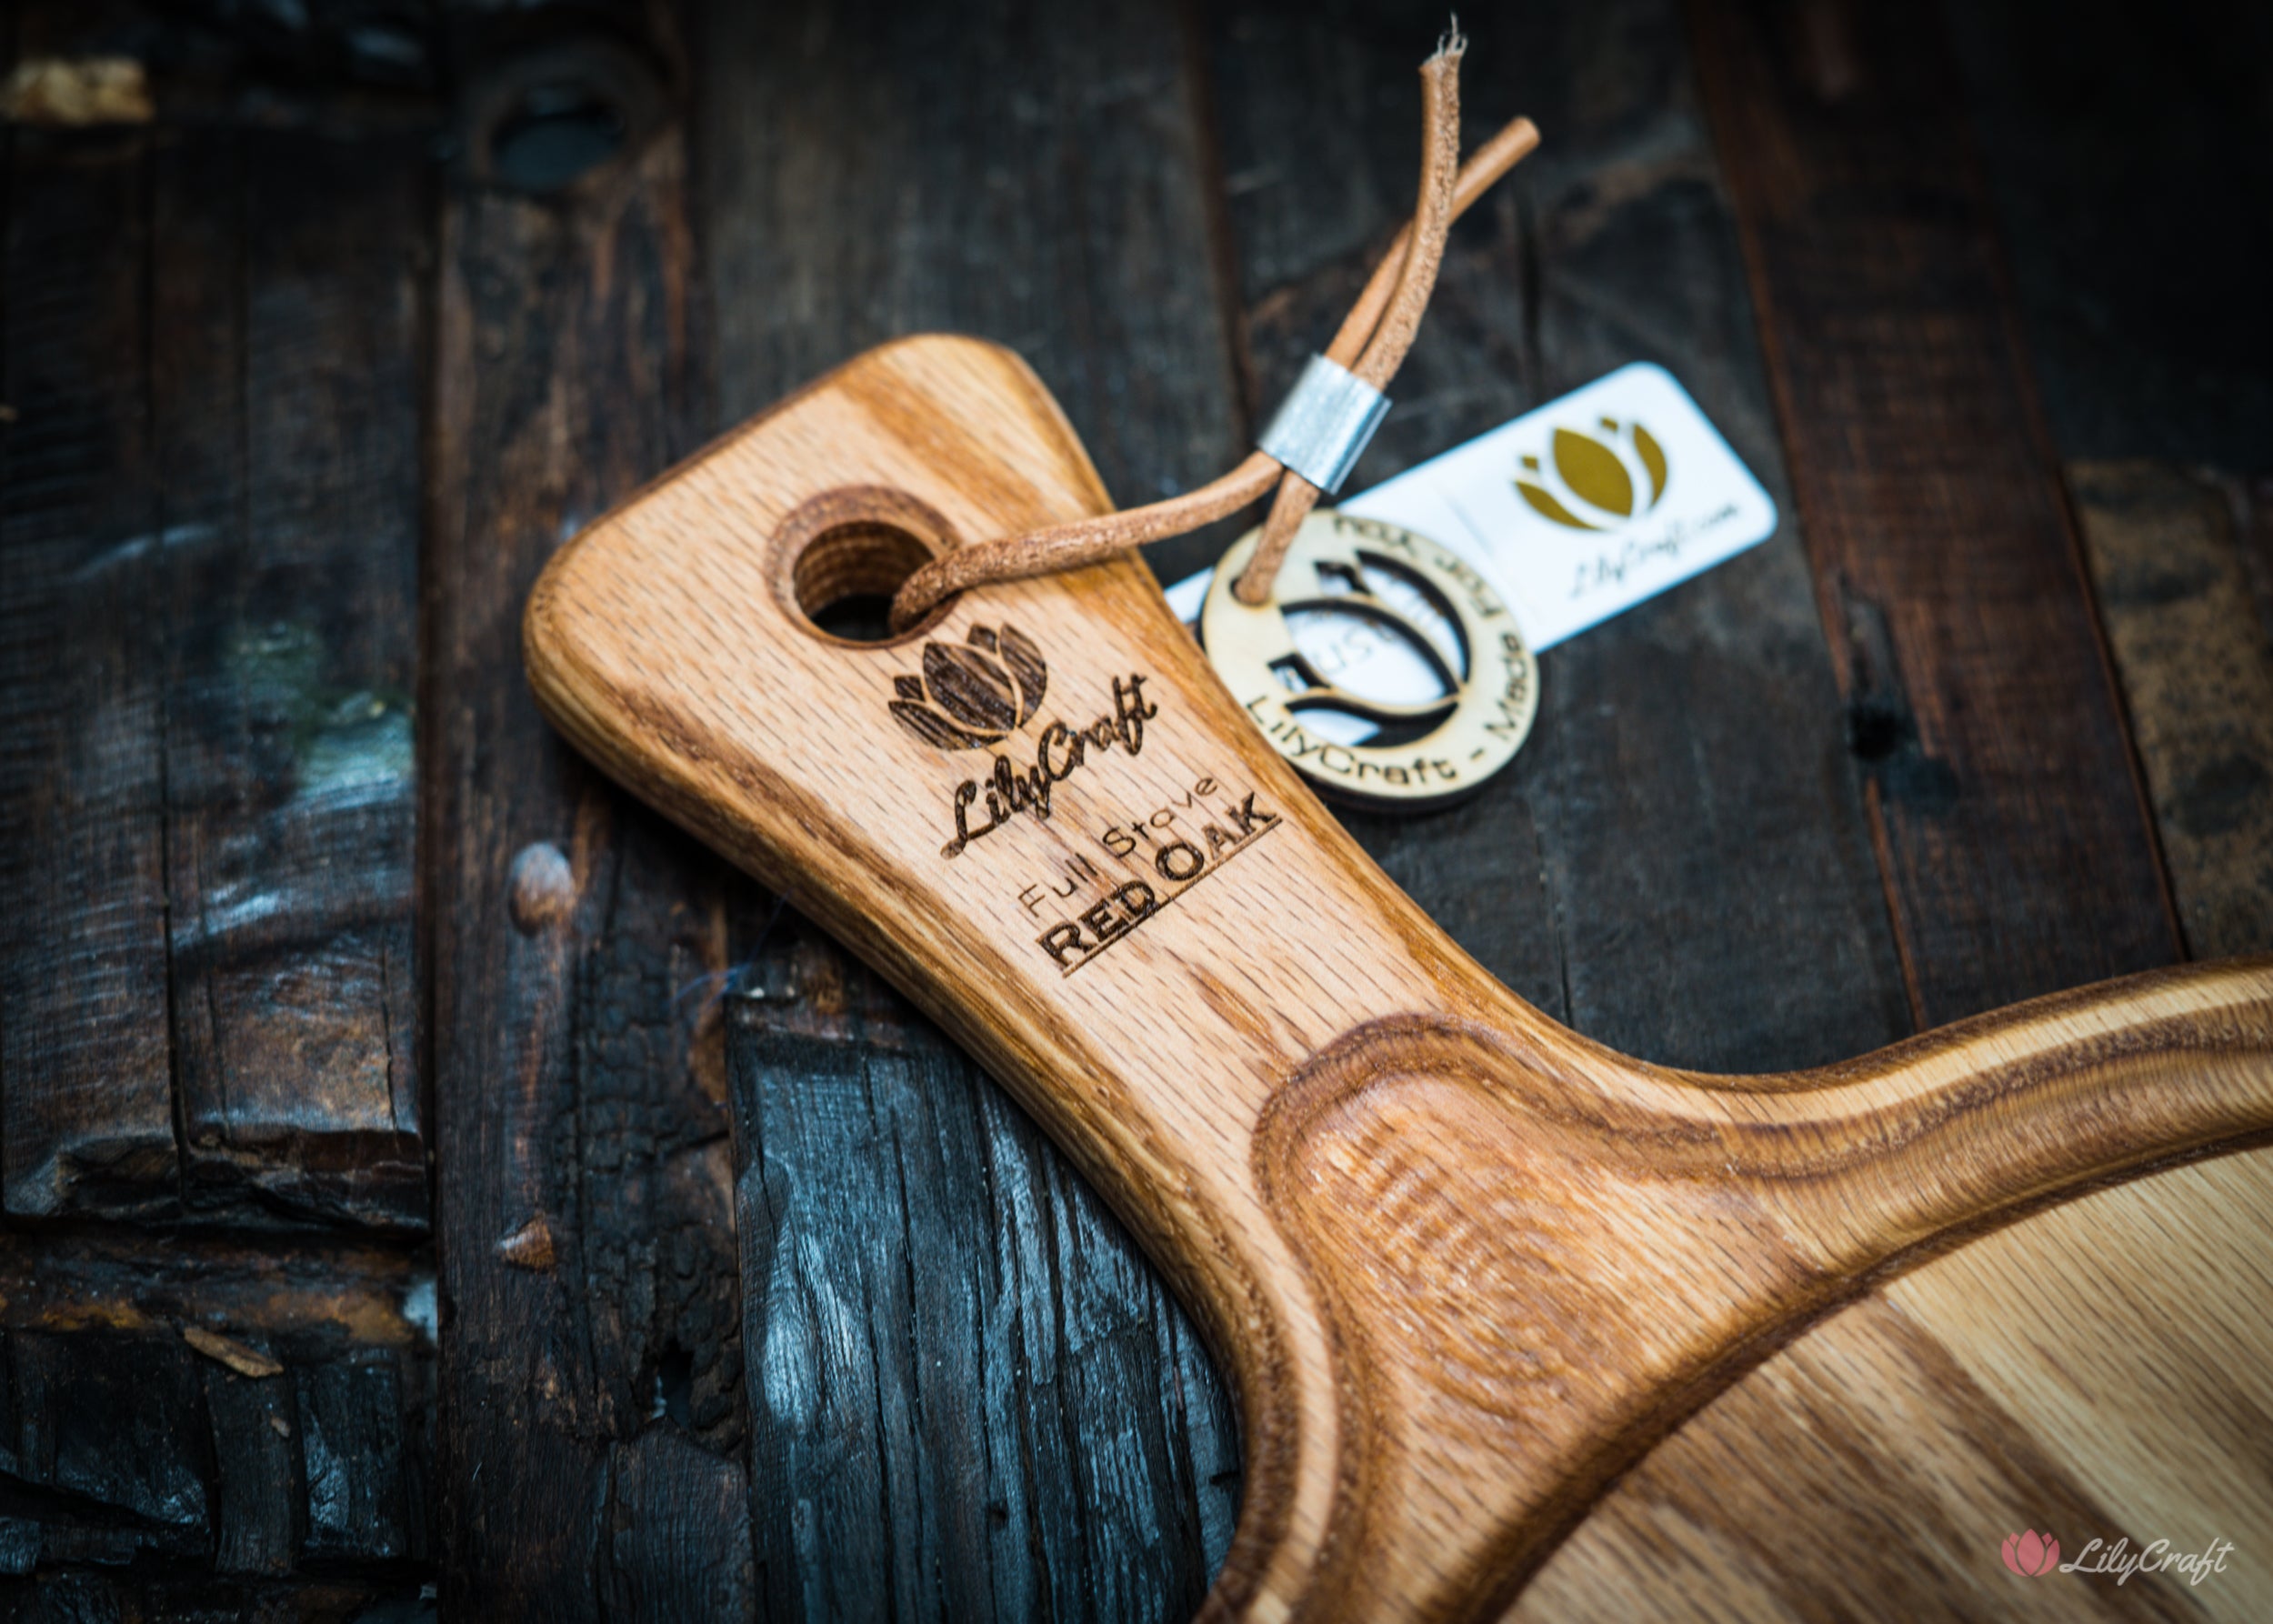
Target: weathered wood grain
[
  {"x": 129, "y": 1442},
  {"x": 1465, "y": 1264},
  {"x": 968, "y": 1411},
  {"x": 2015, "y": 840},
  {"x": 87, "y": 1103},
  {"x": 2128, "y": 153},
  {"x": 141, "y": 1596},
  {"x": 285, "y": 404},
  {"x": 590, "y": 1385},
  {"x": 2252, "y": 502},
  {"x": 2197, "y": 671},
  {"x": 210, "y": 1015},
  {"x": 1041, "y": 1432},
  {"x": 214, "y": 507}
]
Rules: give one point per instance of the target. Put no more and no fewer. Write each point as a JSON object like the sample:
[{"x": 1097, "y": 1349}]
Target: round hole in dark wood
[
  {"x": 843, "y": 555},
  {"x": 550, "y": 119},
  {"x": 556, "y": 131}
]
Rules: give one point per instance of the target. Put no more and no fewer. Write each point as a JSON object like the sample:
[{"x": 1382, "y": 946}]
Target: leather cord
[
  {"x": 1372, "y": 341},
  {"x": 1396, "y": 327}
]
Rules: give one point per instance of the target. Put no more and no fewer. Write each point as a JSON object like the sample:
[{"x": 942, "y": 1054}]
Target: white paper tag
[{"x": 1575, "y": 511}]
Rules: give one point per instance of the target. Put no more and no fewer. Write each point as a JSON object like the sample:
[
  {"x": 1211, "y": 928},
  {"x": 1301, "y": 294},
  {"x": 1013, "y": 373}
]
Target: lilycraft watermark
[{"x": 2032, "y": 1555}]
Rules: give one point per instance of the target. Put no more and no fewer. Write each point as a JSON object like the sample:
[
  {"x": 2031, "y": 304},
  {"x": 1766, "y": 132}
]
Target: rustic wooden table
[{"x": 584, "y": 1234}]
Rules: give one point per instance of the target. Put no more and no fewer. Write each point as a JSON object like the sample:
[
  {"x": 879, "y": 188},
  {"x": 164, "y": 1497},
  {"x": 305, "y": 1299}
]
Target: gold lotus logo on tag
[{"x": 1597, "y": 481}]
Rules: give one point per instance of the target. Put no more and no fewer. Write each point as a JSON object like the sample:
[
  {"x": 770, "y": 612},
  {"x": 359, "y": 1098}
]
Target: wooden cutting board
[{"x": 1465, "y": 1266}]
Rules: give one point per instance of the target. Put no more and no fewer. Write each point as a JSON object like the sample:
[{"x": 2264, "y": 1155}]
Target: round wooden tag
[{"x": 1402, "y": 599}]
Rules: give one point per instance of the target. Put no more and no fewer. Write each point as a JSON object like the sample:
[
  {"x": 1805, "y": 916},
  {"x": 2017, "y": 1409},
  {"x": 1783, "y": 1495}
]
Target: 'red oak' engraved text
[{"x": 1176, "y": 863}]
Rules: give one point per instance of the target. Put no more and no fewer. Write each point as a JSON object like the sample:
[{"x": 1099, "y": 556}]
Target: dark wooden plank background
[
  {"x": 328, "y": 971},
  {"x": 581, "y": 1128}
]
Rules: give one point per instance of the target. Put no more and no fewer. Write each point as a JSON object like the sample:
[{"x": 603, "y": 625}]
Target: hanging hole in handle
[{"x": 841, "y": 556}]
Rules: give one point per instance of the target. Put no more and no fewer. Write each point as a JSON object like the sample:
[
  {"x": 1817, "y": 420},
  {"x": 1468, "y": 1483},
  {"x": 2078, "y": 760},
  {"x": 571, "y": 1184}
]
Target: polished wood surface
[{"x": 1465, "y": 1264}]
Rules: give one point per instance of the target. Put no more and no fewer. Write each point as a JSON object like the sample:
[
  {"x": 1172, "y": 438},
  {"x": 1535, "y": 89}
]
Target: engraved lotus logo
[
  {"x": 974, "y": 693},
  {"x": 1595, "y": 481},
  {"x": 2032, "y": 1554}
]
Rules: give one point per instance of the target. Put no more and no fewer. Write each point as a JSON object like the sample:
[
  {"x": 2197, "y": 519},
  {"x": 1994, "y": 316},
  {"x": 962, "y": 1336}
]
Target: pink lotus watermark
[{"x": 2032, "y": 1555}]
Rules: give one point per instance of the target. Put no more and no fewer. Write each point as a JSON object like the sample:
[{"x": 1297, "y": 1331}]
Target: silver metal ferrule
[{"x": 1322, "y": 427}]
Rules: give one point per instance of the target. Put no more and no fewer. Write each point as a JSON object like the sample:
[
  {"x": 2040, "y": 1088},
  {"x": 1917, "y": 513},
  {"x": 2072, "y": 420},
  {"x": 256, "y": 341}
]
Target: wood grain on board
[
  {"x": 2085, "y": 1373},
  {"x": 590, "y": 1424},
  {"x": 1465, "y": 1264},
  {"x": 286, "y": 330}
]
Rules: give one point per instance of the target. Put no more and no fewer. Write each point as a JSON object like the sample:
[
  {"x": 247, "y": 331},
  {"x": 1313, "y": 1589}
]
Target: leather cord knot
[{"x": 1372, "y": 342}]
